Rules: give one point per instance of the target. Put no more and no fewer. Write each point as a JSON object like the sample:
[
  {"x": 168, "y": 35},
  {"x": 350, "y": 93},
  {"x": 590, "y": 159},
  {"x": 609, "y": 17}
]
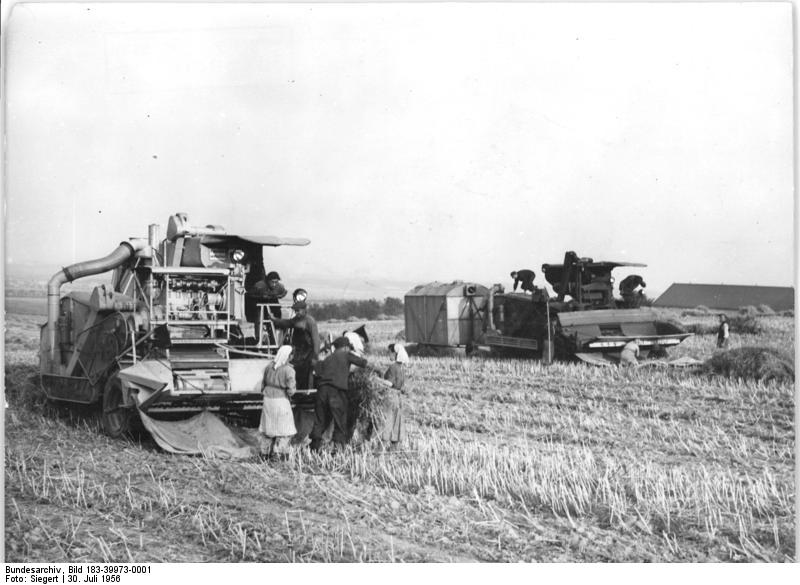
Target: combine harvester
[
  {"x": 584, "y": 321},
  {"x": 165, "y": 337}
]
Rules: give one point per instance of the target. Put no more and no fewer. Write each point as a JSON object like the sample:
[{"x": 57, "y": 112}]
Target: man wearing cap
[
  {"x": 358, "y": 339},
  {"x": 305, "y": 341},
  {"x": 332, "y": 400}
]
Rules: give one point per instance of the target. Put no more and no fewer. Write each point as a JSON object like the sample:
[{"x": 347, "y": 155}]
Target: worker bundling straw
[
  {"x": 277, "y": 420},
  {"x": 392, "y": 431}
]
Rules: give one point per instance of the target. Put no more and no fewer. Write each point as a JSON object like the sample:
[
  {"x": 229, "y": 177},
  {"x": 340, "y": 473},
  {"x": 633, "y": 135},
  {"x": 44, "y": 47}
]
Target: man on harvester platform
[
  {"x": 524, "y": 278},
  {"x": 305, "y": 341},
  {"x": 627, "y": 289}
]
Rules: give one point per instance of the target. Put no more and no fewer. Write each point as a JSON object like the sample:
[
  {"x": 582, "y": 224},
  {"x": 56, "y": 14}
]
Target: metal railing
[{"x": 267, "y": 335}]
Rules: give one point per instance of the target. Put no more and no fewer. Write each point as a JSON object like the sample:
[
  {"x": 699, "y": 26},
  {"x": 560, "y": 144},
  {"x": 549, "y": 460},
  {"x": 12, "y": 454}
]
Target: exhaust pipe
[
  {"x": 490, "y": 309},
  {"x": 122, "y": 254}
]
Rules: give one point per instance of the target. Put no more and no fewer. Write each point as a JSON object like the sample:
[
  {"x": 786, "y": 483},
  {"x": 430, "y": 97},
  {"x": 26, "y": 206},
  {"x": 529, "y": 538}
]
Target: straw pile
[
  {"x": 753, "y": 363},
  {"x": 370, "y": 393},
  {"x": 746, "y": 325}
]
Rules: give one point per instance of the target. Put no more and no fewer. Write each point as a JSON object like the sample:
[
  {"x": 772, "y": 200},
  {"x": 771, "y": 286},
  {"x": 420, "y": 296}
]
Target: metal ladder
[{"x": 268, "y": 336}]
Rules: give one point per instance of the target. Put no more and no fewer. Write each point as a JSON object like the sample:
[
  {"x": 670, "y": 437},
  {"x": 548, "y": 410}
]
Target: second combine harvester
[{"x": 584, "y": 320}]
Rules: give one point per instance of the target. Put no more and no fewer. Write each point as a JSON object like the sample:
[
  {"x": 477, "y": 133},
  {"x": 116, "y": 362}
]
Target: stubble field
[{"x": 506, "y": 460}]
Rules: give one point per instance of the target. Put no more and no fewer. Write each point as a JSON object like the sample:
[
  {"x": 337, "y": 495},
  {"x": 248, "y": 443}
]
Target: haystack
[
  {"x": 753, "y": 363},
  {"x": 746, "y": 325}
]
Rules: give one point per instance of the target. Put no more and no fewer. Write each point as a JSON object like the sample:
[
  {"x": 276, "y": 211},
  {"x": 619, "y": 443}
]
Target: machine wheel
[
  {"x": 561, "y": 351},
  {"x": 117, "y": 420}
]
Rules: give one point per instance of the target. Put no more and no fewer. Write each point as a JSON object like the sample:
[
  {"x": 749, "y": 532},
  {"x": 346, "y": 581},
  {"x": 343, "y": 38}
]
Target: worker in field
[
  {"x": 392, "y": 432},
  {"x": 358, "y": 339},
  {"x": 277, "y": 420},
  {"x": 524, "y": 278},
  {"x": 305, "y": 343},
  {"x": 358, "y": 345},
  {"x": 723, "y": 332},
  {"x": 332, "y": 400},
  {"x": 356, "y": 342},
  {"x": 630, "y": 353}
]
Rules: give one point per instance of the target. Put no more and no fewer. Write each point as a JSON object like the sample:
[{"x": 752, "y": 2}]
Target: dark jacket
[
  {"x": 305, "y": 338},
  {"x": 335, "y": 369},
  {"x": 396, "y": 375},
  {"x": 272, "y": 294},
  {"x": 525, "y": 278},
  {"x": 724, "y": 331}
]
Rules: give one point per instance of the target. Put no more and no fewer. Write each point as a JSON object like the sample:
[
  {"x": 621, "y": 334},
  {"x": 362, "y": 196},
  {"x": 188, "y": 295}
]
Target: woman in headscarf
[
  {"x": 277, "y": 420},
  {"x": 393, "y": 430},
  {"x": 356, "y": 343}
]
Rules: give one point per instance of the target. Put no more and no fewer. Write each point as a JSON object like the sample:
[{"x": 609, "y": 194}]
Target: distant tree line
[{"x": 368, "y": 309}]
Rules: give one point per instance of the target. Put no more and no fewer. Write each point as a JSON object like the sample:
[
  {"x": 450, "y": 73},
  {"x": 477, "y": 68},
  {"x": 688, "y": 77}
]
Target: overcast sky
[{"x": 412, "y": 142}]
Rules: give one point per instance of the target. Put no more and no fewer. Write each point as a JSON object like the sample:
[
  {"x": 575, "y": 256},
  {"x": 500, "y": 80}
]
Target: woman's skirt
[
  {"x": 277, "y": 419},
  {"x": 393, "y": 428}
]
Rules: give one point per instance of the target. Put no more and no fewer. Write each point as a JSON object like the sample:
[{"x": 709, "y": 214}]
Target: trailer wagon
[{"x": 445, "y": 314}]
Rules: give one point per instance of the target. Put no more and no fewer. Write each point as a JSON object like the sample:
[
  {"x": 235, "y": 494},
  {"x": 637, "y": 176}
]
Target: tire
[
  {"x": 562, "y": 350},
  {"x": 117, "y": 420}
]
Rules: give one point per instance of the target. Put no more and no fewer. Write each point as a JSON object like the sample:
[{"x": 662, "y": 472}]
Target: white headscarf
[
  {"x": 282, "y": 357},
  {"x": 402, "y": 356},
  {"x": 355, "y": 341}
]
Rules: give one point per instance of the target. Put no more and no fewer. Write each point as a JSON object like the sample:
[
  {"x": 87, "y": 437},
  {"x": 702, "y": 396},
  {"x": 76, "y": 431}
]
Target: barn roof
[{"x": 726, "y": 296}]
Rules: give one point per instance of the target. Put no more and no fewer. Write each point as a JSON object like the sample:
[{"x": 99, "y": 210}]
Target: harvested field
[{"x": 506, "y": 460}]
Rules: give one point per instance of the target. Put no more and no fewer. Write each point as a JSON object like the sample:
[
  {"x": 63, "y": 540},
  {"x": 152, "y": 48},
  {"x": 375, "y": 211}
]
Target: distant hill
[
  {"x": 24, "y": 280},
  {"x": 333, "y": 289}
]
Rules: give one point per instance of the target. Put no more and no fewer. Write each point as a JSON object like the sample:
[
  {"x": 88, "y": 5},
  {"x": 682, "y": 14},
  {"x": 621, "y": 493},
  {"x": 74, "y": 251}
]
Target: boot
[{"x": 266, "y": 448}]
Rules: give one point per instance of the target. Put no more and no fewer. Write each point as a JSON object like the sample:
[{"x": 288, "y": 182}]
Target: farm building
[
  {"x": 726, "y": 296},
  {"x": 446, "y": 314}
]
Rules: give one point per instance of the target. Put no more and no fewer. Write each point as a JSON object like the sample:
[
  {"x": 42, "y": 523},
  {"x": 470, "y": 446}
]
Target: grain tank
[
  {"x": 445, "y": 314},
  {"x": 169, "y": 334}
]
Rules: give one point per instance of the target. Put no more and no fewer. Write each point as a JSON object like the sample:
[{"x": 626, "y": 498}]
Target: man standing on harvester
[
  {"x": 305, "y": 342},
  {"x": 332, "y": 398},
  {"x": 269, "y": 290}
]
